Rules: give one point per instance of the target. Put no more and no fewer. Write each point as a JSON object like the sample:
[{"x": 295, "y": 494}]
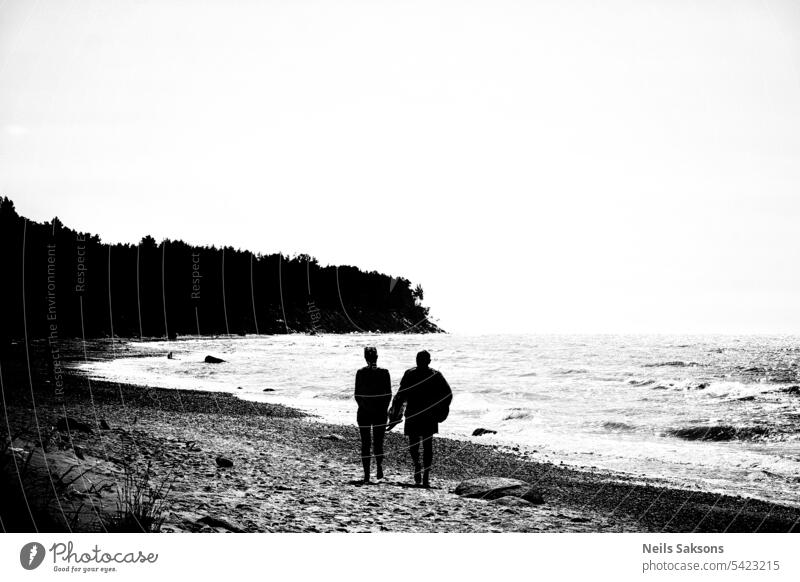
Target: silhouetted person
[
  {"x": 373, "y": 394},
  {"x": 426, "y": 396}
]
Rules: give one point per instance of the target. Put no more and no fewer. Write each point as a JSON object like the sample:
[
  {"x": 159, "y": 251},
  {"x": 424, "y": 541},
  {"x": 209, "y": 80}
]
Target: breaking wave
[{"x": 720, "y": 433}]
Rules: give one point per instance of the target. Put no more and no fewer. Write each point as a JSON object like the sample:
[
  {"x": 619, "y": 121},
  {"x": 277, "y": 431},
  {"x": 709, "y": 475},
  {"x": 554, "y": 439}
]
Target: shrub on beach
[{"x": 141, "y": 505}]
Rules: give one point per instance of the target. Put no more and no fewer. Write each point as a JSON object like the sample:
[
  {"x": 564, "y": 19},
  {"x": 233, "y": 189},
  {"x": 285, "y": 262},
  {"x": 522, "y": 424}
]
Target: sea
[{"x": 711, "y": 413}]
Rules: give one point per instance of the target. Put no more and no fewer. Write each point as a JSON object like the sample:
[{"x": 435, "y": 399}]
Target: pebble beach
[{"x": 220, "y": 463}]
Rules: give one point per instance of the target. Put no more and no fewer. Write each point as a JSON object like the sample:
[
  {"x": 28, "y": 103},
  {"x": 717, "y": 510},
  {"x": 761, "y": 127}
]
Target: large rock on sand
[
  {"x": 490, "y": 488},
  {"x": 213, "y": 360}
]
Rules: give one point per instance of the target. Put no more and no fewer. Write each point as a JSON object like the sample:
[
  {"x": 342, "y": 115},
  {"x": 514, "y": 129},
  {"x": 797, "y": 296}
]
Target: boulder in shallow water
[
  {"x": 224, "y": 462},
  {"x": 213, "y": 360},
  {"x": 490, "y": 488},
  {"x": 268, "y": 390},
  {"x": 483, "y": 431}
]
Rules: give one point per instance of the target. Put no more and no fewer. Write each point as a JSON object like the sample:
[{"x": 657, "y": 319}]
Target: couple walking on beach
[{"x": 424, "y": 398}]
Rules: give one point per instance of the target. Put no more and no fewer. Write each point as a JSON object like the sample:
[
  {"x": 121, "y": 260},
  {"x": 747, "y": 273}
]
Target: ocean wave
[
  {"x": 752, "y": 370},
  {"x": 618, "y": 426},
  {"x": 641, "y": 382},
  {"x": 775, "y": 375},
  {"x": 781, "y": 376},
  {"x": 720, "y": 433},
  {"x": 674, "y": 363},
  {"x": 518, "y": 414},
  {"x": 771, "y": 375},
  {"x": 335, "y": 395}
]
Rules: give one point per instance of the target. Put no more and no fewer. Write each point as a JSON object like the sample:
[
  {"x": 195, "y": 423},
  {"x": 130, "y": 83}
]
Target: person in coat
[{"x": 424, "y": 398}]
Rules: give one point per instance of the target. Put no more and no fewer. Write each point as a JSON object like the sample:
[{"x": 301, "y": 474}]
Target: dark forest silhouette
[{"x": 77, "y": 286}]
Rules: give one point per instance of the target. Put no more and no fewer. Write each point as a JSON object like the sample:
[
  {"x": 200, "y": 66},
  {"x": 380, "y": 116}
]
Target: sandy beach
[{"x": 235, "y": 465}]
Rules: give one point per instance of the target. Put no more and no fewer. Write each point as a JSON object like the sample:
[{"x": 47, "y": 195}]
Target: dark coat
[
  {"x": 373, "y": 394},
  {"x": 426, "y": 396}
]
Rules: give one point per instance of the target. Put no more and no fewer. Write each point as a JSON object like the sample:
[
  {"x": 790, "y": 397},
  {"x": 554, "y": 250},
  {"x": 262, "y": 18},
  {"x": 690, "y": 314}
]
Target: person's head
[
  {"x": 423, "y": 359},
  {"x": 371, "y": 354}
]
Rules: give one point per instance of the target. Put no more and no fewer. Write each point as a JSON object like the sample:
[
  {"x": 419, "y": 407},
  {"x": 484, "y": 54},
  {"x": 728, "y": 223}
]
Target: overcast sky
[{"x": 537, "y": 166}]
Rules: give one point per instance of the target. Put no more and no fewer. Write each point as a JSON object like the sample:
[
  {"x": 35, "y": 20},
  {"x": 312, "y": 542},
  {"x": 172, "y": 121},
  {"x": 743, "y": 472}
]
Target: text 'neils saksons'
[{"x": 663, "y": 548}]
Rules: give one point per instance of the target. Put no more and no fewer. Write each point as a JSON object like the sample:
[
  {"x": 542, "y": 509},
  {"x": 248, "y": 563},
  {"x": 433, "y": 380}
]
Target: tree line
[{"x": 62, "y": 283}]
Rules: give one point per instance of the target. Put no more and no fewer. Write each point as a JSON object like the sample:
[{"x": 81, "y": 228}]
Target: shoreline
[
  {"x": 287, "y": 477},
  {"x": 666, "y": 472}
]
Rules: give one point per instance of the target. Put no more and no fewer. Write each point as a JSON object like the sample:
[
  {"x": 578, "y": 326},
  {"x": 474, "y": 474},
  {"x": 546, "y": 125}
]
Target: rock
[
  {"x": 71, "y": 424},
  {"x": 483, "y": 431},
  {"x": 268, "y": 390},
  {"x": 795, "y": 390},
  {"x": 531, "y": 495},
  {"x": 79, "y": 453},
  {"x": 490, "y": 488},
  {"x": 213, "y": 360},
  {"x": 332, "y": 437},
  {"x": 512, "y": 501},
  {"x": 104, "y": 425},
  {"x": 217, "y": 522},
  {"x": 223, "y": 462}
]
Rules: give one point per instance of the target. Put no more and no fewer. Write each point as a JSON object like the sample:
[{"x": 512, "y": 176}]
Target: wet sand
[{"x": 291, "y": 473}]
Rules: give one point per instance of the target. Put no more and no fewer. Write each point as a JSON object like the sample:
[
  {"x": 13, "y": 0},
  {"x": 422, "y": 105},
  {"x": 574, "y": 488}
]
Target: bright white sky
[{"x": 538, "y": 166}]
